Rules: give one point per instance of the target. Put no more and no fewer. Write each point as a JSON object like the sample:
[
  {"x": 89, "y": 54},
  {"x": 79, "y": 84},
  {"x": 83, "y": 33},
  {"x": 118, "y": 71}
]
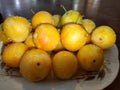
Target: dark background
[{"x": 103, "y": 12}]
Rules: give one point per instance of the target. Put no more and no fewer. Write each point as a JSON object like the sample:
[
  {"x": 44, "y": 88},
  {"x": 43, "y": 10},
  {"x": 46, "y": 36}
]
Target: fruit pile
[{"x": 54, "y": 43}]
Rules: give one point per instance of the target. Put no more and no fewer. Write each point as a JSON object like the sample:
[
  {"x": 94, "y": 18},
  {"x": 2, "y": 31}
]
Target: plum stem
[
  {"x": 32, "y": 11},
  {"x": 63, "y": 8}
]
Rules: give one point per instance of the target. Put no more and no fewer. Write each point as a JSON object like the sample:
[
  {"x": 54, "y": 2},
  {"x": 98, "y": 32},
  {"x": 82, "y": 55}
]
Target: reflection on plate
[{"x": 19, "y": 83}]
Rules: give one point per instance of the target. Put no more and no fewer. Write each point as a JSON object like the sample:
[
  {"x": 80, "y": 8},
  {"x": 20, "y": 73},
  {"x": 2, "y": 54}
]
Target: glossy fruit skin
[
  {"x": 88, "y": 39},
  {"x": 65, "y": 64},
  {"x": 90, "y": 57},
  {"x": 73, "y": 37},
  {"x": 35, "y": 65},
  {"x": 46, "y": 37},
  {"x": 29, "y": 41},
  {"x": 89, "y": 25},
  {"x": 12, "y": 54},
  {"x": 104, "y": 37},
  {"x": 71, "y": 16},
  {"x": 16, "y": 28},
  {"x": 59, "y": 47},
  {"x": 42, "y": 17},
  {"x": 4, "y": 38},
  {"x": 57, "y": 20}
]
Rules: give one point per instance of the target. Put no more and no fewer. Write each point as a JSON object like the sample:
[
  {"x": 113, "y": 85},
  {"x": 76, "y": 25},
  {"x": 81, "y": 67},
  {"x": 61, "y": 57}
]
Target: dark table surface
[{"x": 103, "y": 12}]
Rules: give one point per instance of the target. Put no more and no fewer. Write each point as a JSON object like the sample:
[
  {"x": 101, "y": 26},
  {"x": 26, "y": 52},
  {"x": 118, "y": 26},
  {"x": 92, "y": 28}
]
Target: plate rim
[{"x": 117, "y": 71}]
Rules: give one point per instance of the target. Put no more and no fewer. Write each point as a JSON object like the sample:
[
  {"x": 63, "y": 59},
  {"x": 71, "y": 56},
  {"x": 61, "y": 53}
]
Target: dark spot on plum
[
  {"x": 100, "y": 38},
  {"x": 94, "y": 61},
  {"x": 38, "y": 64}
]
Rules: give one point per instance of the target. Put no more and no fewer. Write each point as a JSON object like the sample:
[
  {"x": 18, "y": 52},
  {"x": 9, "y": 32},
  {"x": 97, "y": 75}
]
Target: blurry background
[{"x": 103, "y": 12}]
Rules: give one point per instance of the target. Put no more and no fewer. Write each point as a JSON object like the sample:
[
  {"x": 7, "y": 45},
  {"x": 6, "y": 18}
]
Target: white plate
[{"x": 19, "y": 83}]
